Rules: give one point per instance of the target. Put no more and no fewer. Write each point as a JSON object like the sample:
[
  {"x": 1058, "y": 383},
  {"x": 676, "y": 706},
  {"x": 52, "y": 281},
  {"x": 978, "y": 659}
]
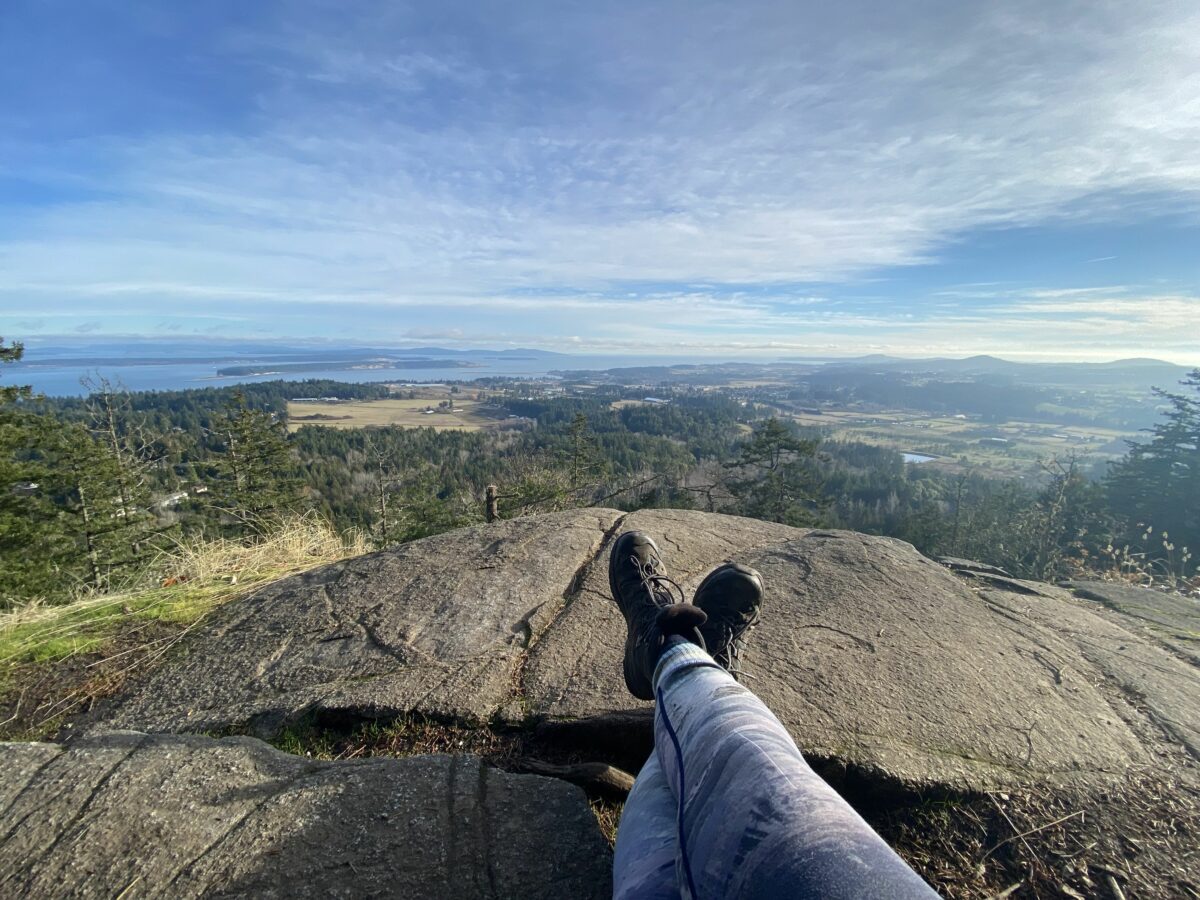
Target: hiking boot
[
  {"x": 731, "y": 596},
  {"x": 653, "y": 605}
]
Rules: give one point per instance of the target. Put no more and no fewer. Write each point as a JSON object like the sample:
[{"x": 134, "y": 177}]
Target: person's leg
[
  {"x": 753, "y": 820},
  {"x": 644, "y": 858}
]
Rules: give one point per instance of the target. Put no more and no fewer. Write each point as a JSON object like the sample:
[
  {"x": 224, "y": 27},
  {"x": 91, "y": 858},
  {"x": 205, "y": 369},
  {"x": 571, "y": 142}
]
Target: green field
[{"x": 953, "y": 439}]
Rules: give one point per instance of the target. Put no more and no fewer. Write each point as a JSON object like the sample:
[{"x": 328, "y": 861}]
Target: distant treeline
[{"x": 91, "y": 484}]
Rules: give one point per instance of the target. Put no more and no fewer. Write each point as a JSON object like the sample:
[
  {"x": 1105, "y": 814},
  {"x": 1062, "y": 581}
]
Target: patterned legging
[{"x": 726, "y": 806}]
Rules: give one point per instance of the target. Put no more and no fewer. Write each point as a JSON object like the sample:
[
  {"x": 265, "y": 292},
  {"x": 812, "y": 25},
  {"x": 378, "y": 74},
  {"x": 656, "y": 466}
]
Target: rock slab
[
  {"x": 872, "y": 655},
  {"x": 1172, "y": 618},
  {"x": 436, "y": 627},
  {"x": 133, "y": 815}
]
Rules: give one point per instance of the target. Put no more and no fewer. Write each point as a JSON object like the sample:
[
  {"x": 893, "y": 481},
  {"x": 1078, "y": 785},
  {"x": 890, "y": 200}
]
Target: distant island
[{"x": 277, "y": 368}]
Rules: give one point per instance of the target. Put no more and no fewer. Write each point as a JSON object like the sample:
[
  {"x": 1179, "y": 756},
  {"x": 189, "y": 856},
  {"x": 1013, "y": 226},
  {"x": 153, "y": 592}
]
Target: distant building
[
  {"x": 654, "y": 400},
  {"x": 993, "y": 442}
]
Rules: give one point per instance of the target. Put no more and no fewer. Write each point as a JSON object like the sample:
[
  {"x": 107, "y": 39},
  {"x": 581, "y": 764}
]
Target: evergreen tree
[
  {"x": 776, "y": 478},
  {"x": 135, "y": 452},
  {"x": 585, "y": 464},
  {"x": 85, "y": 476},
  {"x": 1066, "y": 525},
  {"x": 534, "y": 483},
  {"x": 62, "y": 522},
  {"x": 256, "y": 474},
  {"x": 422, "y": 506},
  {"x": 11, "y": 353},
  {"x": 1155, "y": 488},
  {"x": 36, "y": 554}
]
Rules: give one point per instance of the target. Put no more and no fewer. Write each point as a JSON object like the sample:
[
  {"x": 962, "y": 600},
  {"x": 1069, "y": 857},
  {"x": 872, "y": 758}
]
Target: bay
[{"x": 62, "y": 379}]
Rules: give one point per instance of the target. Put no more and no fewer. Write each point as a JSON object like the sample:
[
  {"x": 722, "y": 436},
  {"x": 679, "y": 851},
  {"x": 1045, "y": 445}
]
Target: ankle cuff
[{"x": 675, "y": 658}]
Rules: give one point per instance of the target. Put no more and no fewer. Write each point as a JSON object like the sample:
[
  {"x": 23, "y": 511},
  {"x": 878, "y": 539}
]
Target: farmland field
[
  {"x": 468, "y": 415},
  {"x": 1011, "y": 448}
]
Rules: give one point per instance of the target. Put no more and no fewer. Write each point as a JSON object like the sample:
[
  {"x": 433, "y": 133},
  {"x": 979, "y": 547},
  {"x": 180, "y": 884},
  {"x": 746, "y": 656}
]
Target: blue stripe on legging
[{"x": 683, "y": 852}]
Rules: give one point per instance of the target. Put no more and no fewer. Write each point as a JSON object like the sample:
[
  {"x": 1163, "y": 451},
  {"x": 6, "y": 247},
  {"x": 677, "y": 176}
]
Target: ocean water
[{"x": 63, "y": 378}]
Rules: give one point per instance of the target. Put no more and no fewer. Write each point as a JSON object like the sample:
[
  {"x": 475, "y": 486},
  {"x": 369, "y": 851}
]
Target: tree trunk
[{"x": 89, "y": 538}]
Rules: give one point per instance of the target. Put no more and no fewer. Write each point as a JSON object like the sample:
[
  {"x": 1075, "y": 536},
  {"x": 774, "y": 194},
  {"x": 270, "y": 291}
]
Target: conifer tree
[
  {"x": 86, "y": 477},
  {"x": 133, "y": 451},
  {"x": 1065, "y": 523},
  {"x": 776, "y": 479},
  {"x": 12, "y": 353},
  {"x": 36, "y": 553},
  {"x": 387, "y": 482},
  {"x": 582, "y": 458},
  {"x": 62, "y": 523},
  {"x": 257, "y": 478},
  {"x": 1156, "y": 486},
  {"x": 33, "y": 548}
]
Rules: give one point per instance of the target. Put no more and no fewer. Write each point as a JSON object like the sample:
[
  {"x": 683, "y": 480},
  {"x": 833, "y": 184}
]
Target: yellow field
[{"x": 467, "y": 415}]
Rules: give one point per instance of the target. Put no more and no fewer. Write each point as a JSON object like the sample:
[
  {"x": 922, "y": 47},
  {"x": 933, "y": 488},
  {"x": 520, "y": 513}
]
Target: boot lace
[
  {"x": 657, "y": 582},
  {"x": 730, "y": 658}
]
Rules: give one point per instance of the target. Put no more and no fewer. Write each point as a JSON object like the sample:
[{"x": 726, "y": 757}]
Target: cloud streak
[{"x": 579, "y": 168}]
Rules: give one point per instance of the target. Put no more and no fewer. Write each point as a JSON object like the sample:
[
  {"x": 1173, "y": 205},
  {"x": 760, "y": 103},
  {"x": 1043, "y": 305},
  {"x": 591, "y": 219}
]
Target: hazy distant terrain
[{"x": 1108, "y": 393}]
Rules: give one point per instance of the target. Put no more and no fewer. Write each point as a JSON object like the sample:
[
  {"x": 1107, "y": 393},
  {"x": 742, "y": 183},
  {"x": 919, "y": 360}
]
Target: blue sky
[{"x": 750, "y": 179}]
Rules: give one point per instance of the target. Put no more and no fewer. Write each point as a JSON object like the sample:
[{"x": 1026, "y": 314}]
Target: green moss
[
  {"x": 54, "y": 649},
  {"x": 303, "y": 739},
  {"x": 58, "y": 633}
]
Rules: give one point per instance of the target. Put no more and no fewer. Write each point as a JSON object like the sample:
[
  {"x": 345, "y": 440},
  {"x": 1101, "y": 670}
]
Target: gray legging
[{"x": 727, "y": 807}]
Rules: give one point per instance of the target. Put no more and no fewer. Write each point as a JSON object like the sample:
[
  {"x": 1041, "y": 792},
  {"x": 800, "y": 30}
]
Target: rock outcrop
[
  {"x": 135, "y": 815},
  {"x": 910, "y": 678},
  {"x": 871, "y": 654}
]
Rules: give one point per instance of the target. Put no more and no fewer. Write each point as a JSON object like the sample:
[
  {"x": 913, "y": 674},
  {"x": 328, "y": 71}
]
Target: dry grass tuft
[
  {"x": 1143, "y": 834},
  {"x": 608, "y": 817},
  {"x": 55, "y": 658}
]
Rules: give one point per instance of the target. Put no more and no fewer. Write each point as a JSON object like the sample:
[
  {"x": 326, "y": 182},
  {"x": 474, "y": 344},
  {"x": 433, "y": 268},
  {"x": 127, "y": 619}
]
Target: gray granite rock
[
  {"x": 134, "y": 815},
  {"x": 870, "y": 654},
  {"x": 969, "y": 565},
  {"x": 437, "y": 627},
  {"x": 1172, "y": 618},
  {"x": 876, "y": 657}
]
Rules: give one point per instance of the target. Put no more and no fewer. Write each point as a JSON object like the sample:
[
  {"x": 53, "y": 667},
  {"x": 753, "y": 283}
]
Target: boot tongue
[{"x": 680, "y": 618}]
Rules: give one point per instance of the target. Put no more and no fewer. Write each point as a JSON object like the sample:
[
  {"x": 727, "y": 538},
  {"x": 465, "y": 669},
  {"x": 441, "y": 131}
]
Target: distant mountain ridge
[
  {"x": 157, "y": 349},
  {"x": 978, "y": 362},
  {"x": 1139, "y": 370}
]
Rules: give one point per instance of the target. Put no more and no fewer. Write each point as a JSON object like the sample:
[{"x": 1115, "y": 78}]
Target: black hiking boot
[
  {"x": 653, "y": 605},
  {"x": 731, "y": 596}
]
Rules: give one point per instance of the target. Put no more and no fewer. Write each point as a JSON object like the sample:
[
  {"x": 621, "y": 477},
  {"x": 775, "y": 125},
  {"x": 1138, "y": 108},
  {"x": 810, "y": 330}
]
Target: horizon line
[{"x": 744, "y": 354}]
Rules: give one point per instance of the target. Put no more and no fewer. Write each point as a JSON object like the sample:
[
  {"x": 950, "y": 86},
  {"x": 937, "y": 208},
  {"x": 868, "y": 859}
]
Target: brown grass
[
  {"x": 1144, "y": 835},
  {"x": 467, "y": 415},
  {"x": 57, "y": 659}
]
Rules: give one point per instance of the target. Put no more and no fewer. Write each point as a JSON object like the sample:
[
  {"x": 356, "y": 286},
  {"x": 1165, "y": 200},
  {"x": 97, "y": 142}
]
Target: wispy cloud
[{"x": 540, "y": 165}]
